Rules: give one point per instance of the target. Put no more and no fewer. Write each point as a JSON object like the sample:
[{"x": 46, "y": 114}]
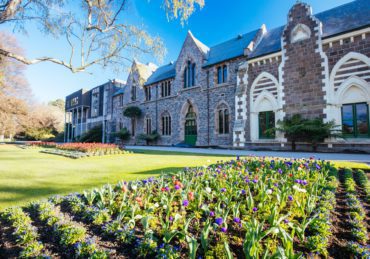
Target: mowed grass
[{"x": 27, "y": 174}]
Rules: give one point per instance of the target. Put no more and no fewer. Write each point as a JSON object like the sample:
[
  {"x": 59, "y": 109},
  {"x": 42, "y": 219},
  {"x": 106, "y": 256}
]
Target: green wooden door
[{"x": 191, "y": 127}]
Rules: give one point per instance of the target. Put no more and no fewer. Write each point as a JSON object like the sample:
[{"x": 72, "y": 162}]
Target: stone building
[
  {"x": 86, "y": 109},
  {"x": 232, "y": 93}
]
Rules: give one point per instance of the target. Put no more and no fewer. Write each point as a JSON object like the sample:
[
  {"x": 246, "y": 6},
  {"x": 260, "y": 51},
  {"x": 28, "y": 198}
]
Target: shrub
[{"x": 95, "y": 134}]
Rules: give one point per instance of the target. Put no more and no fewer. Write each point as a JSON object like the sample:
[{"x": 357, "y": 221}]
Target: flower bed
[
  {"x": 25, "y": 234},
  {"x": 91, "y": 148},
  {"x": 246, "y": 208},
  {"x": 66, "y": 153},
  {"x": 78, "y": 150}
]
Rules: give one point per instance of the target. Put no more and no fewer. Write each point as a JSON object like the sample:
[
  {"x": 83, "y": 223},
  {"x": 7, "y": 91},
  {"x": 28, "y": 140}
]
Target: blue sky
[{"x": 218, "y": 21}]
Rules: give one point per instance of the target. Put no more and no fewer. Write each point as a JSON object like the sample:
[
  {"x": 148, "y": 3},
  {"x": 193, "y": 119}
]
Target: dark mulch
[
  {"x": 8, "y": 246},
  {"x": 341, "y": 229}
]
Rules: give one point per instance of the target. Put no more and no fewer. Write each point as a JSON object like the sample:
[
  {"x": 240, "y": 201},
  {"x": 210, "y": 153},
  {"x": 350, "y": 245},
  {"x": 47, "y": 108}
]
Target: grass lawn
[{"x": 27, "y": 174}]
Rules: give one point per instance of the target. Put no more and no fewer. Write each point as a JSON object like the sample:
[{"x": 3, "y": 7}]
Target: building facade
[{"x": 230, "y": 94}]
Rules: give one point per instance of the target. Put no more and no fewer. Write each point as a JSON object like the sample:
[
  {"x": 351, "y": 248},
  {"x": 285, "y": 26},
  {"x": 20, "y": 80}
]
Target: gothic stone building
[{"x": 232, "y": 93}]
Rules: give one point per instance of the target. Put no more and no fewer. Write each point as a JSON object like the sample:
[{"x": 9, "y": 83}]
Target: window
[
  {"x": 74, "y": 101},
  {"x": 121, "y": 100},
  {"x": 148, "y": 124},
  {"x": 95, "y": 103},
  {"x": 221, "y": 74},
  {"x": 223, "y": 121},
  {"x": 189, "y": 75},
  {"x": 148, "y": 94},
  {"x": 166, "y": 125},
  {"x": 133, "y": 93},
  {"x": 165, "y": 88},
  {"x": 266, "y": 122},
  {"x": 355, "y": 120}
]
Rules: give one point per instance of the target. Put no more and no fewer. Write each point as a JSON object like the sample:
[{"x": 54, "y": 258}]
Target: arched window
[
  {"x": 189, "y": 75},
  {"x": 133, "y": 93},
  {"x": 166, "y": 125},
  {"x": 223, "y": 120},
  {"x": 148, "y": 125}
]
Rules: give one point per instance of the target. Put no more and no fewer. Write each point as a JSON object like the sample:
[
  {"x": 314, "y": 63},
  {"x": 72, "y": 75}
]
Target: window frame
[
  {"x": 261, "y": 135},
  {"x": 354, "y": 121},
  {"x": 223, "y": 125},
  {"x": 189, "y": 74},
  {"x": 166, "y": 125}
]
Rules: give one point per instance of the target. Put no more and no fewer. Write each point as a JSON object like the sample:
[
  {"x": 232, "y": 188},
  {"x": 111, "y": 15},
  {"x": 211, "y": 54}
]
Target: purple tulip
[
  {"x": 276, "y": 184},
  {"x": 280, "y": 171},
  {"x": 255, "y": 181},
  {"x": 185, "y": 203},
  {"x": 177, "y": 187},
  {"x": 224, "y": 230},
  {"x": 286, "y": 221},
  {"x": 255, "y": 209},
  {"x": 318, "y": 167},
  {"x": 243, "y": 192},
  {"x": 211, "y": 213},
  {"x": 237, "y": 220},
  {"x": 167, "y": 188},
  {"x": 247, "y": 180},
  {"x": 171, "y": 218},
  {"x": 219, "y": 221},
  {"x": 290, "y": 197},
  {"x": 304, "y": 182},
  {"x": 223, "y": 190}
]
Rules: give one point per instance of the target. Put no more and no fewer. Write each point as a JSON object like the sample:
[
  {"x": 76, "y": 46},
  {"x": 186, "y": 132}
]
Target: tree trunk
[
  {"x": 293, "y": 146},
  {"x": 2, "y": 135}
]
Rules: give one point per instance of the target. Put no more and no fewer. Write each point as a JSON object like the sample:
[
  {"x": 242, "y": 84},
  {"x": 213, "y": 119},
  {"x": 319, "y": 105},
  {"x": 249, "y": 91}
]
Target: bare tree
[
  {"x": 95, "y": 31},
  {"x": 14, "y": 90}
]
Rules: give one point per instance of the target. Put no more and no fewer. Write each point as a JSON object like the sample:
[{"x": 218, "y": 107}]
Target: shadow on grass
[{"x": 17, "y": 195}]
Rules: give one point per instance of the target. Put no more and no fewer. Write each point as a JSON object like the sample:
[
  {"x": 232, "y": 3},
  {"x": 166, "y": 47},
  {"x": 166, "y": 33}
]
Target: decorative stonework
[{"x": 299, "y": 33}]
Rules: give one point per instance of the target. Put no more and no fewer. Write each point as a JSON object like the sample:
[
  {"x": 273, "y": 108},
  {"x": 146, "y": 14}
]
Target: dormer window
[
  {"x": 189, "y": 75},
  {"x": 221, "y": 74}
]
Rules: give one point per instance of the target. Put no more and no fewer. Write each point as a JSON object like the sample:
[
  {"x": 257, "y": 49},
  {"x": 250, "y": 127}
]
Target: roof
[
  {"x": 162, "y": 73},
  {"x": 338, "y": 20},
  {"x": 341, "y": 19},
  {"x": 199, "y": 44},
  {"x": 229, "y": 49},
  {"x": 120, "y": 91},
  {"x": 270, "y": 43},
  {"x": 345, "y": 18}
]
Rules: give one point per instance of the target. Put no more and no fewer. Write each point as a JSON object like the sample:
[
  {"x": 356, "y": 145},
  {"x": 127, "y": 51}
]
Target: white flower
[
  {"x": 156, "y": 205},
  {"x": 269, "y": 191},
  {"x": 295, "y": 187},
  {"x": 209, "y": 190},
  {"x": 134, "y": 187},
  {"x": 208, "y": 161},
  {"x": 165, "y": 207}
]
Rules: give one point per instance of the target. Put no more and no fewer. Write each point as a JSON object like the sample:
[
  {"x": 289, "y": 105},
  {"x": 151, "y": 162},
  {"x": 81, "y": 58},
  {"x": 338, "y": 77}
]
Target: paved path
[{"x": 326, "y": 156}]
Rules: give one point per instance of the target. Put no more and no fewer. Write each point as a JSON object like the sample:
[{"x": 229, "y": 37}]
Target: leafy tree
[
  {"x": 59, "y": 103},
  {"x": 95, "y": 134},
  {"x": 96, "y": 32},
  {"x": 132, "y": 112},
  {"x": 313, "y": 131}
]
